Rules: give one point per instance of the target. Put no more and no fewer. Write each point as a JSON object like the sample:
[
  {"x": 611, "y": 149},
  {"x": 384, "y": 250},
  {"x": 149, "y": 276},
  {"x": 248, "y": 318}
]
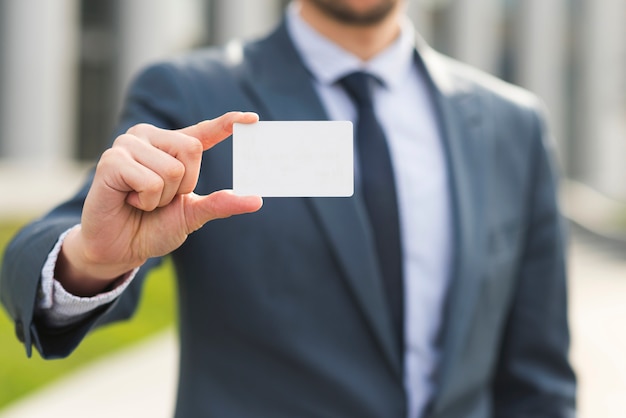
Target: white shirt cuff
[{"x": 57, "y": 307}]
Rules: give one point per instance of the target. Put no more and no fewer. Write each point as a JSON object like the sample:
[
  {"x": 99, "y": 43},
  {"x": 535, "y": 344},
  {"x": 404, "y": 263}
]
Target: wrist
[{"x": 82, "y": 275}]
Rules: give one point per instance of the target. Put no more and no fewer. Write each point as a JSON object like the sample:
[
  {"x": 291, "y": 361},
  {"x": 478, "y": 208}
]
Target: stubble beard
[{"x": 343, "y": 13}]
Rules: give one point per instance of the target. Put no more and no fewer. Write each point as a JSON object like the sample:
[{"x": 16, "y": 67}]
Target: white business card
[{"x": 293, "y": 159}]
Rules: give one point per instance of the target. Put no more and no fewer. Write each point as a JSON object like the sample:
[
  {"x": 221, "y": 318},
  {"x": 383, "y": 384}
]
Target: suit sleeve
[
  {"x": 156, "y": 97},
  {"x": 534, "y": 376}
]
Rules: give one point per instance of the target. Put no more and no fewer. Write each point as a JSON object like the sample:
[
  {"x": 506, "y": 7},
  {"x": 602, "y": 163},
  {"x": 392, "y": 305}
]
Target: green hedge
[{"x": 20, "y": 375}]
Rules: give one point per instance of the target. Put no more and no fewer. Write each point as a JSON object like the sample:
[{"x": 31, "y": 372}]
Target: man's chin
[{"x": 342, "y": 11}]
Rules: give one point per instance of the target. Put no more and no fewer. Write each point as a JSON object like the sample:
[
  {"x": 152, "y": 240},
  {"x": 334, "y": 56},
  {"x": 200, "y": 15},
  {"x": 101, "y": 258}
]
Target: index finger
[{"x": 211, "y": 132}]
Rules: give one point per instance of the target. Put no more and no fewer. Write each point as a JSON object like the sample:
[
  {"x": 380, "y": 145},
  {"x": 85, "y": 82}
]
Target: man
[{"x": 288, "y": 312}]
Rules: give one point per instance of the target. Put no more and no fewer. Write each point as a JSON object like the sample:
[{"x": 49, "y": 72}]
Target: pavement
[
  {"x": 597, "y": 314},
  {"x": 141, "y": 380},
  {"x": 137, "y": 382}
]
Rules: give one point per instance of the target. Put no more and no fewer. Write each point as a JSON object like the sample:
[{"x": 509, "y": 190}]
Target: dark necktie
[{"x": 379, "y": 192}]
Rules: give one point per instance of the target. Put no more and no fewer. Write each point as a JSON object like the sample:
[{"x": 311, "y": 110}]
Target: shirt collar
[{"x": 328, "y": 62}]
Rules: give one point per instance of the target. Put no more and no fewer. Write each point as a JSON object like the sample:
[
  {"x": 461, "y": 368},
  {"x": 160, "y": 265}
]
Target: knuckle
[
  {"x": 152, "y": 189},
  {"x": 191, "y": 153},
  {"x": 108, "y": 158},
  {"x": 141, "y": 129},
  {"x": 154, "y": 184},
  {"x": 174, "y": 171},
  {"x": 189, "y": 146},
  {"x": 194, "y": 148},
  {"x": 124, "y": 140}
]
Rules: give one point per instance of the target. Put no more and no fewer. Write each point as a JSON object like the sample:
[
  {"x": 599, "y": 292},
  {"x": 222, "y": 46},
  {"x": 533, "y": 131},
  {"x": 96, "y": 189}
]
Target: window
[{"x": 97, "y": 101}]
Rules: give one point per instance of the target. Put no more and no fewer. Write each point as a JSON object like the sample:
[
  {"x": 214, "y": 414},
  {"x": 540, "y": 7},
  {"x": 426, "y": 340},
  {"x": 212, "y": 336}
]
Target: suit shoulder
[
  {"x": 199, "y": 64},
  {"x": 466, "y": 79},
  {"x": 514, "y": 117},
  {"x": 192, "y": 86},
  {"x": 515, "y": 113}
]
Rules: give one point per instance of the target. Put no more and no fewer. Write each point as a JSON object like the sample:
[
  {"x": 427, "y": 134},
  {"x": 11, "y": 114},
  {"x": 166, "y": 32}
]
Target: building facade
[{"x": 65, "y": 65}]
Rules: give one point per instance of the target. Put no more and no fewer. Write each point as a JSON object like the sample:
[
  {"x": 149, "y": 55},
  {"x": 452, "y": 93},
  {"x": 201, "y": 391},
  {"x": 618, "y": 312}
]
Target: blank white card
[{"x": 293, "y": 159}]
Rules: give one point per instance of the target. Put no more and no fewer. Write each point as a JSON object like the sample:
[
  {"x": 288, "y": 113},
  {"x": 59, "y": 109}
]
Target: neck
[{"x": 362, "y": 41}]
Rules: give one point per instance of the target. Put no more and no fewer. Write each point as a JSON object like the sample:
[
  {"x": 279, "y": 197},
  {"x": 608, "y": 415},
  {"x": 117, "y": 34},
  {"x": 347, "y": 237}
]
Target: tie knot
[{"x": 358, "y": 85}]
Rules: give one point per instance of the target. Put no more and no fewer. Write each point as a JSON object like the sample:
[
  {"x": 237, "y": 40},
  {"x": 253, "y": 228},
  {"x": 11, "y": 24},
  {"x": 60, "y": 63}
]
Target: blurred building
[{"x": 64, "y": 65}]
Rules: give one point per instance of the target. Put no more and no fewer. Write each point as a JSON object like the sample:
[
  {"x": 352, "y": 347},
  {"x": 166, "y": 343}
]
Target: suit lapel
[
  {"x": 276, "y": 80},
  {"x": 465, "y": 138},
  {"x": 345, "y": 226}
]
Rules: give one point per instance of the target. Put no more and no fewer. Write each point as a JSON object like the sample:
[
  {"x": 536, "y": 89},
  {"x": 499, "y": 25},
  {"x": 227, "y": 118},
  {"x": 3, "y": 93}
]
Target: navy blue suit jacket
[{"x": 282, "y": 312}]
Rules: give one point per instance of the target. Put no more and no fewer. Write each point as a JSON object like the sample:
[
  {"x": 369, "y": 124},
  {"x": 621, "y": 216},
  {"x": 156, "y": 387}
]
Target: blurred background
[{"x": 65, "y": 64}]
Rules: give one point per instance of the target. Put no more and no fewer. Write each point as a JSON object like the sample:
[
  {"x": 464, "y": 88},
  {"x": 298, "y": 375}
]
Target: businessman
[{"x": 437, "y": 290}]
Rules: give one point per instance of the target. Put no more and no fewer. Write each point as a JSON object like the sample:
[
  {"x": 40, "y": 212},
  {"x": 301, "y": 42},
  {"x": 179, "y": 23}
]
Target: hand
[{"x": 141, "y": 203}]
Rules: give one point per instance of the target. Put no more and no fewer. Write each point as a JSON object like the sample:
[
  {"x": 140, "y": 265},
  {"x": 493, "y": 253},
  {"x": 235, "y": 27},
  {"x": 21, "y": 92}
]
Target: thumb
[{"x": 221, "y": 204}]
